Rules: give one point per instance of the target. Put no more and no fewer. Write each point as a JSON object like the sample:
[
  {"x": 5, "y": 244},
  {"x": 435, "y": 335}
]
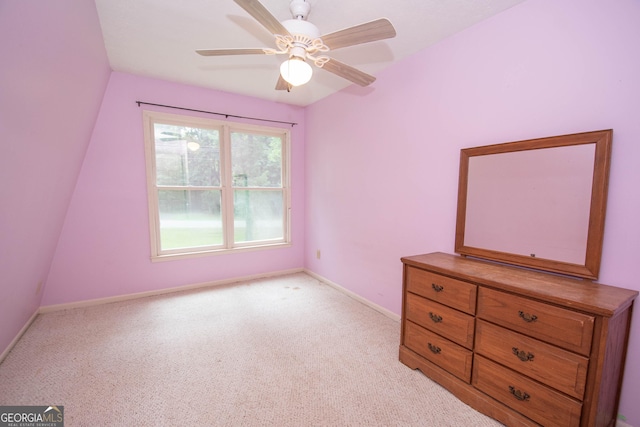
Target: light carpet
[{"x": 284, "y": 351}]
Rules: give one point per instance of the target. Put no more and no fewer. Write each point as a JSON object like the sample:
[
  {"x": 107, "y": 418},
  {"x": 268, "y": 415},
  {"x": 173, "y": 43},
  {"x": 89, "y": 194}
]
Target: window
[{"x": 215, "y": 186}]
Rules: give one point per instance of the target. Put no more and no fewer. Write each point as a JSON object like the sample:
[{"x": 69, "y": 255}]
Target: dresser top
[{"x": 577, "y": 293}]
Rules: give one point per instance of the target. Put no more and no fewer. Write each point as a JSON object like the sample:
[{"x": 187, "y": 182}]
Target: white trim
[
  {"x": 620, "y": 423},
  {"x": 226, "y": 192},
  {"x": 226, "y": 188},
  {"x": 107, "y": 300},
  {"x": 355, "y": 296},
  {"x": 19, "y": 335}
]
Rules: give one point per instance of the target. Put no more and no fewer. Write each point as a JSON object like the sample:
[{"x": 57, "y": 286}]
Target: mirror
[{"x": 538, "y": 203}]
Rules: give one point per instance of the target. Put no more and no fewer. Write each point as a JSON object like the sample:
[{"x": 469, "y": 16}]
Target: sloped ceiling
[{"x": 158, "y": 38}]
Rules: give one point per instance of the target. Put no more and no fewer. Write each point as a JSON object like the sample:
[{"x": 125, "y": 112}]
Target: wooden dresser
[{"x": 524, "y": 347}]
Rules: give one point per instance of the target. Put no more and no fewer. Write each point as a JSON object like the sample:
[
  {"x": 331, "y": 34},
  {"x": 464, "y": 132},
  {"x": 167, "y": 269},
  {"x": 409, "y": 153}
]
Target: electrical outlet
[
  {"x": 39, "y": 287},
  {"x": 318, "y": 253}
]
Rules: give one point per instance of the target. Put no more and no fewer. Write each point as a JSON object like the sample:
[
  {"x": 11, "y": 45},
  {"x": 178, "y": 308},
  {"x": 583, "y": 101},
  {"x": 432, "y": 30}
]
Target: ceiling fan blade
[
  {"x": 282, "y": 84},
  {"x": 263, "y": 16},
  {"x": 222, "y": 52},
  {"x": 364, "y": 33},
  {"x": 348, "y": 72}
]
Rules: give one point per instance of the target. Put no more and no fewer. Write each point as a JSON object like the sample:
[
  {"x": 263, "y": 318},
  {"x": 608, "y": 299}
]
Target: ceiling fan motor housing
[{"x": 305, "y": 28}]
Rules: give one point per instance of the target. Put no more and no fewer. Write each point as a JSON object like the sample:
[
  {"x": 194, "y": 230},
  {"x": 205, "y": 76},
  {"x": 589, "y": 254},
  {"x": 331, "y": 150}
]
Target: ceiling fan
[{"x": 300, "y": 40}]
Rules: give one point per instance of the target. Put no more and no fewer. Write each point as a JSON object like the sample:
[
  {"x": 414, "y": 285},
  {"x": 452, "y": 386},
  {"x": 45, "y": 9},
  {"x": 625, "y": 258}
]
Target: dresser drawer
[
  {"x": 450, "y": 323},
  {"x": 533, "y": 358},
  {"x": 533, "y": 400},
  {"x": 449, "y": 356},
  {"x": 565, "y": 328},
  {"x": 451, "y": 292}
]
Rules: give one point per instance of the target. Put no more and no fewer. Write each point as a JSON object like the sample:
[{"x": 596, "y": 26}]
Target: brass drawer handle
[
  {"x": 518, "y": 394},
  {"x": 435, "y": 317},
  {"x": 434, "y": 349},
  {"x": 437, "y": 288},
  {"x": 527, "y": 317},
  {"x": 522, "y": 355}
]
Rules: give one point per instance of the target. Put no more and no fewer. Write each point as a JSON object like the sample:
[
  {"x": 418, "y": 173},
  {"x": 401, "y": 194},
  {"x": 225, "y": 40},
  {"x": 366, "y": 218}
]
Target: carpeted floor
[{"x": 285, "y": 351}]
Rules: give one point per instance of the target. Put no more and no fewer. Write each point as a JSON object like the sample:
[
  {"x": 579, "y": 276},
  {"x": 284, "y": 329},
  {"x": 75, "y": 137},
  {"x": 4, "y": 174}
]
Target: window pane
[
  {"x": 189, "y": 218},
  {"x": 256, "y": 160},
  {"x": 187, "y": 156},
  {"x": 258, "y": 215}
]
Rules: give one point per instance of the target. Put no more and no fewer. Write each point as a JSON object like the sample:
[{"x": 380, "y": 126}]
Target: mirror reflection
[{"x": 536, "y": 203}]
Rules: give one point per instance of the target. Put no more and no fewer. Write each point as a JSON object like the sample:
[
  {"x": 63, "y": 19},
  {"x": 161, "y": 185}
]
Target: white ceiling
[{"x": 158, "y": 38}]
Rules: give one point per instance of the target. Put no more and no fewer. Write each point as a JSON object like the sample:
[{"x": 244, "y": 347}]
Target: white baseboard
[
  {"x": 620, "y": 423},
  {"x": 18, "y": 336},
  {"x": 107, "y": 300},
  {"x": 355, "y": 296}
]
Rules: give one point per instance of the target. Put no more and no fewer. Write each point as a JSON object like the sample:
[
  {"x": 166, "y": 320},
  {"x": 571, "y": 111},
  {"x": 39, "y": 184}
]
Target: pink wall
[
  {"x": 382, "y": 163},
  {"x": 104, "y": 247},
  {"x": 54, "y": 72},
  {"x": 378, "y": 179}
]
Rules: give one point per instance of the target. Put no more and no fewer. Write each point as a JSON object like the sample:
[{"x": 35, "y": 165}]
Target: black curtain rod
[{"x": 217, "y": 114}]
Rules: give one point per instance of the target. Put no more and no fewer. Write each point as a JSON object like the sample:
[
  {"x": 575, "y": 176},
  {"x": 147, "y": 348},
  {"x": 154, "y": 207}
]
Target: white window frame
[{"x": 226, "y": 185}]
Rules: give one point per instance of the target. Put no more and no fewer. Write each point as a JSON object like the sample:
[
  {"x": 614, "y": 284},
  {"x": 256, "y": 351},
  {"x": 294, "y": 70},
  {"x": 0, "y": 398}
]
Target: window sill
[{"x": 188, "y": 255}]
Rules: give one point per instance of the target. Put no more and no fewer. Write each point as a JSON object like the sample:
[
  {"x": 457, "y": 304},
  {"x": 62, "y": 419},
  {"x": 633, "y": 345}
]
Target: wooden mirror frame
[{"x": 591, "y": 268}]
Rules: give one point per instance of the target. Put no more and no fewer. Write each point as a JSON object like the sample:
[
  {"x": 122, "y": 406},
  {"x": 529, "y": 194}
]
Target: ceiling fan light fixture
[
  {"x": 301, "y": 41},
  {"x": 296, "y": 71}
]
